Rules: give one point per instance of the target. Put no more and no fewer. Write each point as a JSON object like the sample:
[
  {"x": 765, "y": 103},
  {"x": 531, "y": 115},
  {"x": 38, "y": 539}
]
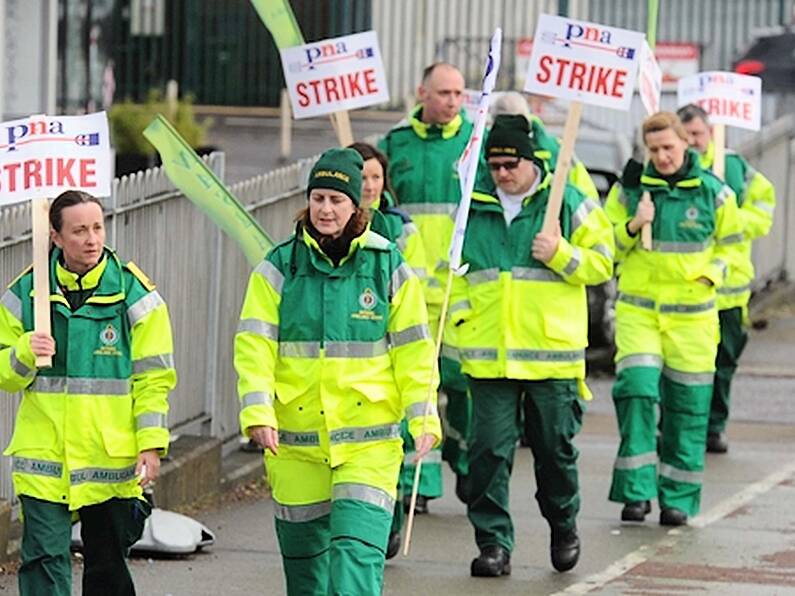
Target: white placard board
[
  {"x": 649, "y": 80},
  {"x": 332, "y": 75},
  {"x": 582, "y": 61},
  {"x": 729, "y": 98},
  {"x": 42, "y": 156}
]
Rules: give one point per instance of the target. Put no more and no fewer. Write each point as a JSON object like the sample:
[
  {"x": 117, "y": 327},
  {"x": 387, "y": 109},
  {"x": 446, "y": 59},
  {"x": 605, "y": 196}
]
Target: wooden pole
[
  {"x": 645, "y": 230},
  {"x": 40, "y": 226},
  {"x": 286, "y": 118},
  {"x": 428, "y": 403},
  {"x": 342, "y": 126},
  {"x": 562, "y": 167},
  {"x": 719, "y": 140}
]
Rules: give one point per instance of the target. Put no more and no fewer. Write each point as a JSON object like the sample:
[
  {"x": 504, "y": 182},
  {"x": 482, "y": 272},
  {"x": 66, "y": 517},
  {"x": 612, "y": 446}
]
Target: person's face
[
  {"x": 698, "y": 134},
  {"x": 442, "y": 95},
  {"x": 666, "y": 150},
  {"x": 372, "y": 181},
  {"x": 329, "y": 211},
  {"x": 512, "y": 175},
  {"x": 82, "y": 236}
]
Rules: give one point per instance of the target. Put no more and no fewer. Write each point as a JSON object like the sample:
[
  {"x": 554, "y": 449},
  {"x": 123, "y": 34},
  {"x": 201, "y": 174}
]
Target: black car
[{"x": 772, "y": 58}]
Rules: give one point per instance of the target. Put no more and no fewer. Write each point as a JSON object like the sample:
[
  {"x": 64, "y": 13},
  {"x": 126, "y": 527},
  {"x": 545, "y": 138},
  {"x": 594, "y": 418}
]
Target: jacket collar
[
  {"x": 424, "y": 130},
  {"x": 652, "y": 179},
  {"x": 490, "y": 200}
]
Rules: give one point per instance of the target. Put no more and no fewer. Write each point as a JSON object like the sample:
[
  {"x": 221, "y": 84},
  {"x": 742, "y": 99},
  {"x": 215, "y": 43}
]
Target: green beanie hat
[
  {"x": 338, "y": 169},
  {"x": 510, "y": 137}
]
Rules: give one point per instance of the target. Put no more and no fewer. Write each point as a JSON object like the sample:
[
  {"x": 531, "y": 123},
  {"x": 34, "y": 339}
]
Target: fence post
[{"x": 218, "y": 164}]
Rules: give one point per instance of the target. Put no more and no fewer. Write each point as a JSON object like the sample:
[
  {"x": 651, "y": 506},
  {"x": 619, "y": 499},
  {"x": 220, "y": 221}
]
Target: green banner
[
  {"x": 280, "y": 21},
  {"x": 198, "y": 182}
]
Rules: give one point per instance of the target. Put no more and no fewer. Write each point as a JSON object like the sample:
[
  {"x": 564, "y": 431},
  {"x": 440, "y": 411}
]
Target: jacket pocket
[
  {"x": 375, "y": 392},
  {"x": 119, "y": 443},
  {"x": 33, "y": 429}
]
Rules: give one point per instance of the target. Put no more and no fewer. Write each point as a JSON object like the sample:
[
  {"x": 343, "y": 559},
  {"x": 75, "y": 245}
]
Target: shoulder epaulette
[
  {"x": 140, "y": 275},
  {"x": 377, "y": 242},
  {"x": 404, "y": 217}
]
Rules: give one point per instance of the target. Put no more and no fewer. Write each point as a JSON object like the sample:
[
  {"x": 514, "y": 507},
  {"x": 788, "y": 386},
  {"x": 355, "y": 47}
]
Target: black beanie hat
[
  {"x": 338, "y": 169},
  {"x": 510, "y": 137}
]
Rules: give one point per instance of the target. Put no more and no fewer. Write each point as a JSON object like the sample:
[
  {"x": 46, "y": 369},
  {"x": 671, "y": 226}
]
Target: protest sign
[
  {"x": 649, "y": 80},
  {"x": 42, "y": 156},
  {"x": 331, "y": 75},
  {"x": 729, "y": 98},
  {"x": 583, "y": 61}
]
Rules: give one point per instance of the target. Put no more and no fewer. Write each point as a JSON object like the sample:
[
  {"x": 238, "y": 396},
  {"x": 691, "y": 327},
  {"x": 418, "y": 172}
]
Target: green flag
[
  {"x": 651, "y": 23},
  {"x": 280, "y": 21},
  {"x": 198, "y": 182}
]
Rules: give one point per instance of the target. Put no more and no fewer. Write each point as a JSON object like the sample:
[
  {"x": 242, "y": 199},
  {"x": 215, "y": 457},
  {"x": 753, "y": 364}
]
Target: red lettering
[
  {"x": 369, "y": 81},
  {"x": 303, "y": 98},
  {"x": 48, "y": 172},
  {"x": 747, "y": 112},
  {"x": 353, "y": 84},
  {"x": 12, "y": 168},
  {"x": 31, "y": 173},
  {"x": 601, "y": 80},
  {"x": 330, "y": 85},
  {"x": 562, "y": 64},
  {"x": 64, "y": 172},
  {"x": 88, "y": 173},
  {"x": 315, "y": 85},
  {"x": 577, "y": 74},
  {"x": 544, "y": 73},
  {"x": 618, "y": 83}
]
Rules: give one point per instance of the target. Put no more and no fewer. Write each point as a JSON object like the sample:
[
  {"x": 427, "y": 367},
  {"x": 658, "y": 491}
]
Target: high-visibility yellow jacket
[
  {"x": 82, "y": 423},
  {"x": 335, "y": 357},
  {"x": 423, "y": 162},
  {"x": 756, "y": 199},
  {"x": 516, "y": 317},
  {"x": 696, "y": 233}
]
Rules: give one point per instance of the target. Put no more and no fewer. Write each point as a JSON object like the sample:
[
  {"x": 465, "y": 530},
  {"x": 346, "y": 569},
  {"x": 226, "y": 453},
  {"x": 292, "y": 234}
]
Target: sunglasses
[{"x": 508, "y": 165}]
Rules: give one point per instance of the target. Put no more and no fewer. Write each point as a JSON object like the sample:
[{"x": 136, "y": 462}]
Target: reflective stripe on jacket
[
  {"x": 335, "y": 356},
  {"x": 82, "y": 422}
]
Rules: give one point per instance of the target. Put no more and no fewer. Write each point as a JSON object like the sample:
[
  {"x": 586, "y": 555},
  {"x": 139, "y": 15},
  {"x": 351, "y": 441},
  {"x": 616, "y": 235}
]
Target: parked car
[{"x": 770, "y": 56}]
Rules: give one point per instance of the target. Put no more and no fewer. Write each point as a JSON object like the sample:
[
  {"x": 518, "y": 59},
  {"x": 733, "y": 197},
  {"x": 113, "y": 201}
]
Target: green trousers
[
  {"x": 553, "y": 414},
  {"x": 457, "y": 416},
  {"x": 733, "y": 338},
  {"x": 109, "y": 529},
  {"x": 336, "y": 554}
]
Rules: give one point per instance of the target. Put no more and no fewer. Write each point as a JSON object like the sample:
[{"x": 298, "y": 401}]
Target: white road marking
[{"x": 718, "y": 512}]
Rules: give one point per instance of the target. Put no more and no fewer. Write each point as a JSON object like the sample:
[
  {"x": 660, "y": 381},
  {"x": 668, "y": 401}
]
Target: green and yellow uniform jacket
[
  {"x": 82, "y": 423},
  {"x": 423, "y": 161},
  {"x": 334, "y": 357},
  {"x": 517, "y": 317},
  {"x": 696, "y": 233},
  {"x": 756, "y": 199}
]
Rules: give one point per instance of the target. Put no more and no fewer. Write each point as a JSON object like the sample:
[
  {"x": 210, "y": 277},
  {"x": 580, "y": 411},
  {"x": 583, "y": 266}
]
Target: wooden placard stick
[
  {"x": 719, "y": 140},
  {"x": 40, "y": 226},
  {"x": 562, "y": 167},
  {"x": 342, "y": 126},
  {"x": 286, "y": 120},
  {"x": 645, "y": 230}
]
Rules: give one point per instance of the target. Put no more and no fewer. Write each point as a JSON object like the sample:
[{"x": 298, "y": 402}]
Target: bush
[{"x": 128, "y": 120}]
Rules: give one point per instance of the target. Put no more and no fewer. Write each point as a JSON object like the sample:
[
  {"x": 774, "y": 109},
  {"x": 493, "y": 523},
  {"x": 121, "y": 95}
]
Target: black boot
[
  {"x": 717, "y": 443},
  {"x": 672, "y": 517},
  {"x": 565, "y": 549},
  {"x": 636, "y": 511},
  {"x": 420, "y": 507},
  {"x": 393, "y": 546},
  {"x": 492, "y": 562}
]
